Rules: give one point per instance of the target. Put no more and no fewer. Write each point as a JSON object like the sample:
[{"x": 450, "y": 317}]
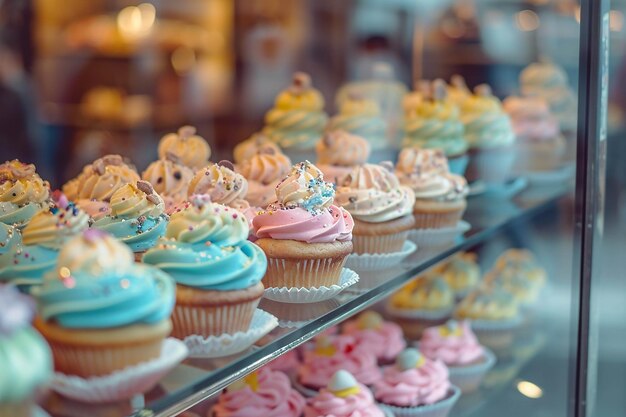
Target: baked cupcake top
[
  {"x": 383, "y": 338},
  {"x": 304, "y": 210},
  {"x": 206, "y": 246},
  {"x": 424, "y": 293},
  {"x": 170, "y": 178},
  {"x": 486, "y": 123},
  {"x": 338, "y": 147},
  {"x": 462, "y": 273},
  {"x": 426, "y": 172},
  {"x": 25, "y": 359},
  {"x": 137, "y": 216},
  {"x": 488, "y": 303},
  {"x": 454, "y": 343},
  {"x": 264, "y": 393},
  {"x": 22, "y": 192},
  {"x": 332, "y": 353},
  {"x": 192, "y": 150},
  {"x": 97, "y": 284},
  {"x": 42, "y": 238},
  {"x": 373, "y": 194},
  {"x": 263, "y": 172},
  {"x": 343, "y": 397},
  {"x": 360, "y": 115},
  {"x": 531, "y": 119},
  {"x": 434, "y": 122},
  {"x": 412, "y": 381},
  {"x": 255, "y": 144},
  {"x": 298, "y": 118}
]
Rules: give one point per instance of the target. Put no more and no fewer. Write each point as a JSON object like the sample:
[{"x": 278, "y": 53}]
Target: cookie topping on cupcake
[{"x": 190, "y": 149}]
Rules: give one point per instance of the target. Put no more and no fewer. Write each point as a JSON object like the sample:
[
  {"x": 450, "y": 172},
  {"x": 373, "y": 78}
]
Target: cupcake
[
  {"x": 416, "y": 386},
  {"x": 457, "y": 91},
  {"x": 22, "y": 193},
  {"x": 423, "y": 302},
  {"x": 361, "y": 116},
  {"x": 461, "y": 272},
  {"x": 343, "y": 396},
  {"x": 255, "y": 144},
  {"x": 170, "y": 179},
  {"x": 439, "y": 195},
  {"x": 489, "y": 133},
  {"x": 434, "y": 122},
  {"x": 539, "y": 143},
  {"x": 414, "y": 98},
  {"x": 456, "y": 346},
  {"x": 26, "y": 360},
  {"x": 380, "y": 206},
  {"x": 382, "y": 338},
  {"x": 93, "y": 188},
  {"x": 298, "y": 119},
  {"x": 263, "y": 172},
  {"x": 525, "y": 261},
  {"x": 339, "y": 152},
  {"x": 334, "y": 353},
  {"x": 515, "y": 282},
  {"x": 99, "y": 310},
  {"x": 43, "y": 237},
  {"x": 217, "y": 270},
  {"x": 305, "y": 237},
  {"x": 265, "y": 393},
  {"x": 190, "y": 149},
  {"x": 137, "y": 217}
]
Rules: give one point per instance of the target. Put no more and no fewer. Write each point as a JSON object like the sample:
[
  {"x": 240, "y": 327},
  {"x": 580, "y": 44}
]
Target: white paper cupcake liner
[
  {"x": 230, "y": 344},
  {"x": 438, "y": 314},
  {"x": 378, "y": 261},
  {"x": 425, "y": 238},
  {"x": 468, "y": 378},
  {"x": 123, "y": 384},
  {"x": 312, "y": 295},
  {"x": 439, "y": 409}
]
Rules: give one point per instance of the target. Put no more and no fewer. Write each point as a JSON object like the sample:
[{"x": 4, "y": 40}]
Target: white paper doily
[
  {"x": 230, "y": 344},
  {"x": 378, "y": 261},
  {"x": 312, "y": 295},
  {"x": 123, "y": 384},
  {"x": 438, "y": 237}
]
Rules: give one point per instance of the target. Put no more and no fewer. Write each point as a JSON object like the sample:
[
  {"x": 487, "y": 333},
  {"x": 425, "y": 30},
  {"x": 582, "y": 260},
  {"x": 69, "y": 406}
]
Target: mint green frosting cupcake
[
  {"x": 25, "y": 358},
  {"x": 206, "y": 247}
]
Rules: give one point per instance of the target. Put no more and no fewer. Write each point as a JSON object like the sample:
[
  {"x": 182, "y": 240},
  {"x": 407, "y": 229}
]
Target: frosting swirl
[
  {"x": 531, "y": 119},
  {"x": 97, "y": 284},
  {"x": 486, "y": 124},
  {"x": 169, "y": 179},
  {"x": 104, "y": 177},
  {"x": 263, "y": 172},
  {"x": 267, "y": 393},
  {"x": 372, "y": 193},
  {"x": 9, "y": 238},
  {"x": 22, "y": 192},
  {"x": 341, "y": 148},
  {"x": 487, "y": 303},
  {"x": 255, "y": 144},
  {"x": 221, "y": 183},
  {"x": 424, "y": 293},
  {"x": 383, "y": 338},
  {"x": 361, "y": 116},
  {"x": 189, "y": 149},
  {"x": 453, "y": 343}
]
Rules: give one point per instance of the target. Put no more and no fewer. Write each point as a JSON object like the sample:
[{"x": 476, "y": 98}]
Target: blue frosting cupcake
[{"x": 22, "y": 193}]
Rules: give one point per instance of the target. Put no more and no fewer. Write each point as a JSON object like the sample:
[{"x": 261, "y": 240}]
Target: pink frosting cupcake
[
  {"x": 457, "y": 346},
  {"x": 416, "y": 385},
  {"x": 264, "y": 393},
  {"x": 343, "y": 397},
  {"x": 333, "y": 353},
  {"x": 384, "y": 339}
]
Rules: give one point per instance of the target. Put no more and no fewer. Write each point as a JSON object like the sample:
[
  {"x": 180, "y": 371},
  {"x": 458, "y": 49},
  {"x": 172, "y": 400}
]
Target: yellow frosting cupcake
[
  {"x": 488, "y": 303},
  {"x": 462, "y": 273},
  {"x": 425, "y": 293}
]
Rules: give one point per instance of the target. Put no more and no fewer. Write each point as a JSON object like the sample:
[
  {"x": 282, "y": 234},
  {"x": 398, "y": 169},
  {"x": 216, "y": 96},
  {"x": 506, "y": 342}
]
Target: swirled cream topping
[
  {"x": 191, "y": 149},
  {"x": 361, "y": 116},
  {"x": 221, "y": 183},
  {"x": 372, "y": 193},
  {"x": 486, "y": 124},
  {"x": 305, "y": 187},
  {"x": 255, "y": 144},
  {"x": 266, "y": 167},
  {"x": 21, "y": 185},
  {"x": 135, "y": 200},
  {"x": 341, "y": 148},
  {"x": 103, "y": 177},
  {"x": 169, "y": 178}
]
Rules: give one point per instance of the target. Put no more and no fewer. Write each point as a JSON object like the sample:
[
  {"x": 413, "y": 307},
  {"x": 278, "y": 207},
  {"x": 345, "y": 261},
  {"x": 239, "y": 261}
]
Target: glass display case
[{"x": 81, "y": 80}]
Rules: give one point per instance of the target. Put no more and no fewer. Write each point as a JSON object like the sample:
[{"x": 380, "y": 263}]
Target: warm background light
[{"x": 530, "y": 390}]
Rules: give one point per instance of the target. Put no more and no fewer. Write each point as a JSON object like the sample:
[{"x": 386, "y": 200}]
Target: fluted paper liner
[
  {"x": 439, "y": 409},
  {"x": 468, "y": 378},
  {"x": 312, "y": 295},
  {"x": 425, "y": 238}
]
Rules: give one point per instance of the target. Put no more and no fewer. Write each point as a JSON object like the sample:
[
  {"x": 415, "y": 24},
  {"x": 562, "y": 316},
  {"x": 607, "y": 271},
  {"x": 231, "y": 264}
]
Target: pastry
[
  {"x": 488, "y": 303},
  {"x": 380, "y": 206},
  {"x": 343, "y": 396},
  {"x": 439, "y": 194},
  {"x": 525, "y": 261},
  {"x": 22, "y": 193},
  {"x": 361, "y": 116},
  {"x": 333, "y": 353},
  {"x": 43, "y": 237},
  {"x": 190, "y": 149},
  {"x": 264, "y": 393},
  {"x": 456, "y": 345},
  {"x": 383, "y": 338},
  {"x": 339, "y": 152},
  {"x": 416, "y": 385},
  {"x": 305, "y": 236},
  {"x": 263, "y": 172},
  {"x": 137, "y": 216},
  {"x": 257, "y": 143},
  {"x": 457, "y": 91},
  {"x": 99, "y": 310},
  {"x": 25, "y": 358},
  {"x": 170, "y": 179},
  {"x": 217, "y": 270},
  {"x": 461, "y": 272}
]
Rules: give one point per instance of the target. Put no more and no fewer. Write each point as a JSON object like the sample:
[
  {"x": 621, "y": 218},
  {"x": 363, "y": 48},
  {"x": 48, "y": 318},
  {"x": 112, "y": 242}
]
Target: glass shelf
[{"x": 198, "y": 379}]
